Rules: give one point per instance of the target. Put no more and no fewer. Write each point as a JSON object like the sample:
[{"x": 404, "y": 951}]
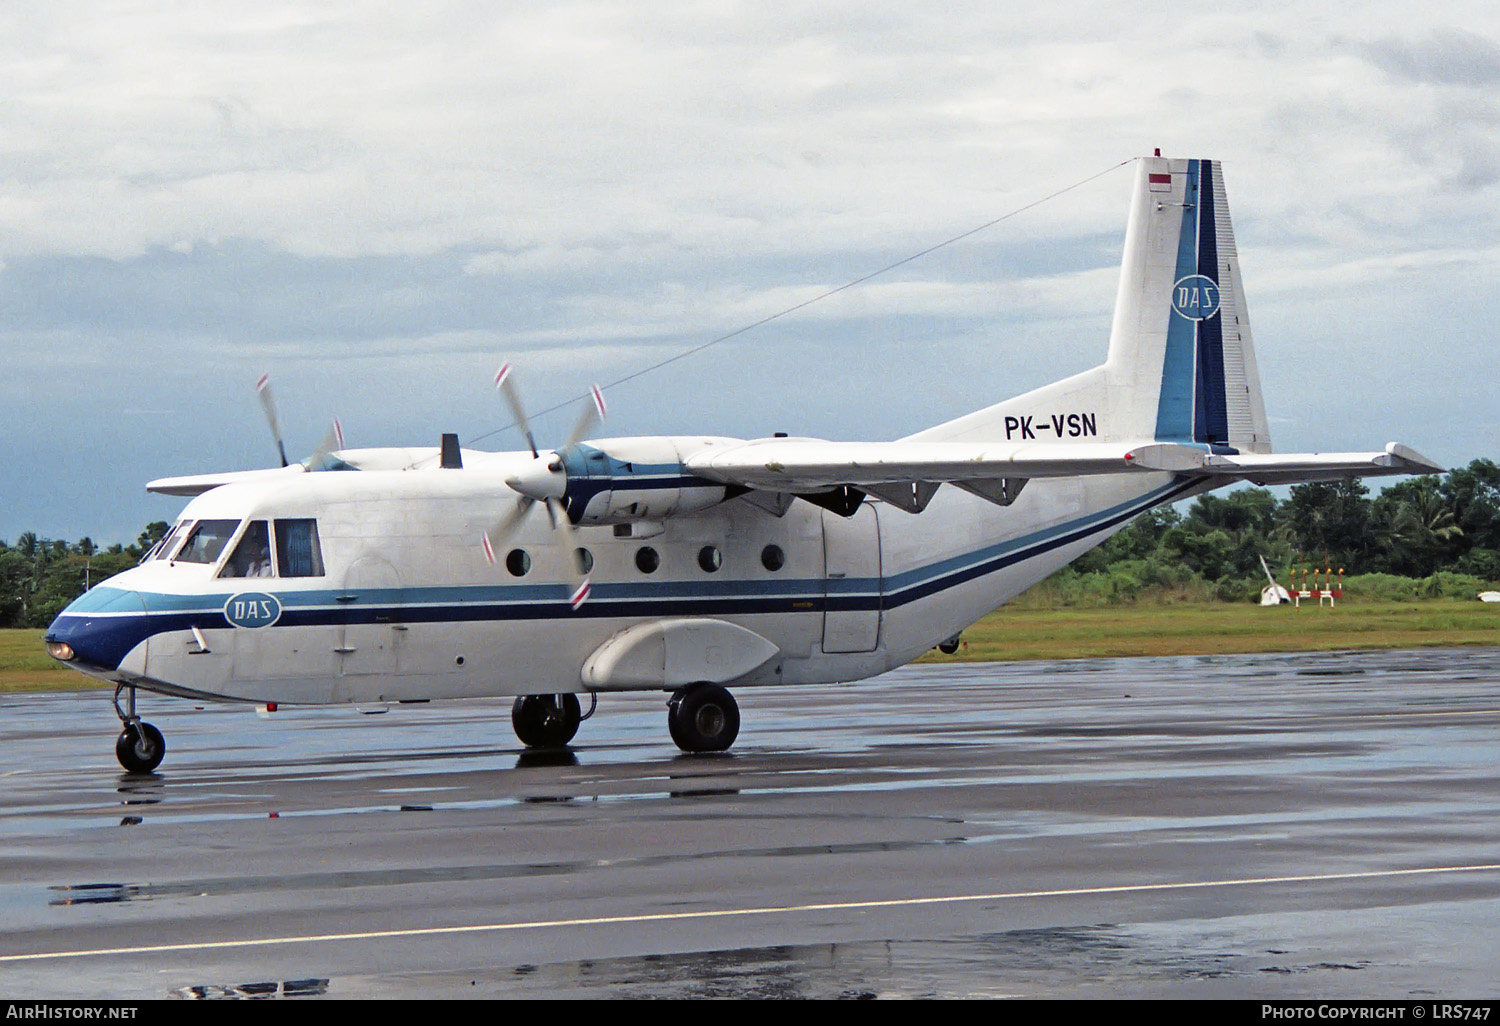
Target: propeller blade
[
  {"x": 566, "y": 541},
  {"x": 263, "y": 392},
  {"x": 500, "y": 532},
  {"x": 592, "y": 414},
  {"x": 333, "y": 441},
  {"x": 507, "y": 386},
  {"x": 580, "y": 596}
]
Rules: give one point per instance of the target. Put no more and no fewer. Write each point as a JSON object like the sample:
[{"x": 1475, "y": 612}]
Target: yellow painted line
[{"x": 727, "y": 913}]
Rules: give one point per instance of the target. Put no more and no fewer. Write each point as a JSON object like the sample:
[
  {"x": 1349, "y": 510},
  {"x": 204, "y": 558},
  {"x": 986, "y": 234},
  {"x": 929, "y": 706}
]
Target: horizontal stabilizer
[{"x": 1294, "y": 467}]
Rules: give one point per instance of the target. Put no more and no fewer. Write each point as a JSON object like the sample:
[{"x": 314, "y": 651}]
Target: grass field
[
  {"x": 1206, "y": 628},
  {"x": 26, "y": 666},
  {"x": 1014, "y": 633}
]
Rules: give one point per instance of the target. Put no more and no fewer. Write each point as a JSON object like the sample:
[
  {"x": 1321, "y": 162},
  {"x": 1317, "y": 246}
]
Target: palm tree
[{"x": 1422, "y": 524}]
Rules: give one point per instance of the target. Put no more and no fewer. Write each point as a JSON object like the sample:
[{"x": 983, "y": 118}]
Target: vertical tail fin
[
  {"x": 1181, "y": 367},
  {"x": 1181, "y": 358}
]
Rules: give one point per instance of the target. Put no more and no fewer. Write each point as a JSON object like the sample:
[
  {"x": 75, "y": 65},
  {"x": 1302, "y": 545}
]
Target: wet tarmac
[{"x": 1231, "y": 826}]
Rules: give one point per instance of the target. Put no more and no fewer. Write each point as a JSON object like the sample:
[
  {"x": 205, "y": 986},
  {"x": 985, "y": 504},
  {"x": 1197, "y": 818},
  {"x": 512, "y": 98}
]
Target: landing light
[{"x": 60, "y": 650}]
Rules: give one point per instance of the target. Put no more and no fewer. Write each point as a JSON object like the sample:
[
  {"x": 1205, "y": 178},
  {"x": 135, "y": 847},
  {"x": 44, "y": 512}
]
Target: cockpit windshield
[
  {"x": 206, "y": 541},
  {"x": 163, "y": 548}
]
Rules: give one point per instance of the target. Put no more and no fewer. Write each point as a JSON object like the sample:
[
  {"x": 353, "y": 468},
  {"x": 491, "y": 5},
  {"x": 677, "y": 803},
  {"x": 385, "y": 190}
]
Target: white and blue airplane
[{"x": 690, "y": 565}]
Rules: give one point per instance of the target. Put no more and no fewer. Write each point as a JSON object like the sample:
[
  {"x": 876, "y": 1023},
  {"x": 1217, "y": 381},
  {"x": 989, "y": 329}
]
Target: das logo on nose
[
  {"x": 252, "y": 609},
  {"x": 1196, "y": 297}
]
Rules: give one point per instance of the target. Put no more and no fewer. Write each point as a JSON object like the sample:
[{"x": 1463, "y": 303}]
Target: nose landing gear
[{"x": 140, "y": 746}]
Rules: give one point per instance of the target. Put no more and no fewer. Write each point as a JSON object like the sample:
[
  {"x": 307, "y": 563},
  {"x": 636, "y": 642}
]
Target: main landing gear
[
  {"x": 703, "y": 718},
  {"x": 140, "y": 746},
  {"x": 548, "y": 721}
]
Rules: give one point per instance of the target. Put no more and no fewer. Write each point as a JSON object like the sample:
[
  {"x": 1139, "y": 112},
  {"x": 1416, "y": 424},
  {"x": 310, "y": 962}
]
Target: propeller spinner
[{"x": 544, "y": 481}]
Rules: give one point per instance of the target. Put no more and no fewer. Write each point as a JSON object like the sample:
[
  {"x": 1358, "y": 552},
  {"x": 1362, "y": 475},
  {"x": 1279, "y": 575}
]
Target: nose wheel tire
[
  {"x": 703, "y": 718},
  {"x": 140, "y": 747},
  {"x": 546, "y": 721}
]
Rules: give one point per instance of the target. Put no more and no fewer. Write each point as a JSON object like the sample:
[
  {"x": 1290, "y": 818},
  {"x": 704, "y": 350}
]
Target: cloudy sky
[{"x": 377, "y": 203}]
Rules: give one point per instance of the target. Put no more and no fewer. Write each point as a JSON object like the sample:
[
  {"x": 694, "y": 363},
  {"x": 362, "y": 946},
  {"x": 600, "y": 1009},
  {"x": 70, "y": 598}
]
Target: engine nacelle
[{"x": 615, "y": 481}]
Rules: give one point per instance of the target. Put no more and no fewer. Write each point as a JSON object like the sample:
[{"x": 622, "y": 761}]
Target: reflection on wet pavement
[
  {"x": 1231, "y": 957},
  {"x": 253, "y": 991},
  {"x": 105, "y": 893},
  {"x": 937, "y": 780}
]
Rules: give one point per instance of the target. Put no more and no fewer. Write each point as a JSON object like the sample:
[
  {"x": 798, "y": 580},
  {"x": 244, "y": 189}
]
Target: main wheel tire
[
  {"x": 140, "y": 747},
  {"x": 546, "y": 721},
  {"x": 703, "y": 718}
]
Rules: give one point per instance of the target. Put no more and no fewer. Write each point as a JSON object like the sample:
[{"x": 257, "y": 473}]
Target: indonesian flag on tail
[{"x": 1159, "y": 182}]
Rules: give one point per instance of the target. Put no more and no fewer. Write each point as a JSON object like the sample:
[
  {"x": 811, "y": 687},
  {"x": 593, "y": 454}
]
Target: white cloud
[
  {"x": 381, "y": 199},
  {"x": 413, "y": 130}
]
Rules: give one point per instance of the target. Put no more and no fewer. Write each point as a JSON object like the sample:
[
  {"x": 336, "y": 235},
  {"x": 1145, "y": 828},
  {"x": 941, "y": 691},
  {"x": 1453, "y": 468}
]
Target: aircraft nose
[{"x": 98, "y": 629}]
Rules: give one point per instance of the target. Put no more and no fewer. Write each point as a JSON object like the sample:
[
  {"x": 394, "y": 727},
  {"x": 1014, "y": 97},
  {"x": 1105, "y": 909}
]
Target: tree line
[
  {"x": 39, "y": 576},
  {"x": 1422, "y": 537}
]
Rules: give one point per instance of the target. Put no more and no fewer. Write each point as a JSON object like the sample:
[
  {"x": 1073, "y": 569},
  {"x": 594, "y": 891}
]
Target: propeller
[
  {"x": 333, "y": 441},
  {"x": 544, "y": 481},
  {"x": 268, "y": 403},
  {"x": 322, "y": 457}
]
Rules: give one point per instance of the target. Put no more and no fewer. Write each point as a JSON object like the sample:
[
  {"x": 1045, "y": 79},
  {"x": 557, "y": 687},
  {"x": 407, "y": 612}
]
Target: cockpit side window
[
  {"x": 252, "y": 556},
  {"x": 163, "y": 548},
  {"x": 206, "y": 542},
  {"x": 298, "y": 552}
]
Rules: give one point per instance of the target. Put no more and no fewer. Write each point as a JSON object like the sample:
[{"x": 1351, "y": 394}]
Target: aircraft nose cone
[
  {"x": 541, "y": 479},
  {"x": 101, "y": 627}
]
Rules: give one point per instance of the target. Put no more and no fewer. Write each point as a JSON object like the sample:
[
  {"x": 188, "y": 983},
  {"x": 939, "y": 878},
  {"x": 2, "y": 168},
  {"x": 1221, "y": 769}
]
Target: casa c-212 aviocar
[{"x": 692, "y": 565}]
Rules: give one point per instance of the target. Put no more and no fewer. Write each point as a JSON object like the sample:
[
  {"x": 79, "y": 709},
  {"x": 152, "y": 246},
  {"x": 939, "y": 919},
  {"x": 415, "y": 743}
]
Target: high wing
[
  {"x": 197, "y": 484},
  {"x": 399, "y": 458},
  {"x": 906, "y": 473}
]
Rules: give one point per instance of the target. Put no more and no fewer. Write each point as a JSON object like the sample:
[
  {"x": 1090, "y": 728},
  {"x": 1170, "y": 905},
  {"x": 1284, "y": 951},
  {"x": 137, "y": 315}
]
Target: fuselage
[{"x": 380, "y": 589}]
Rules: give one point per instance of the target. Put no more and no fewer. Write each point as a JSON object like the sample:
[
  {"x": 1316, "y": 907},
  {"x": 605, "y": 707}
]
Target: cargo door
[{"x": 371, "y": 605}]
